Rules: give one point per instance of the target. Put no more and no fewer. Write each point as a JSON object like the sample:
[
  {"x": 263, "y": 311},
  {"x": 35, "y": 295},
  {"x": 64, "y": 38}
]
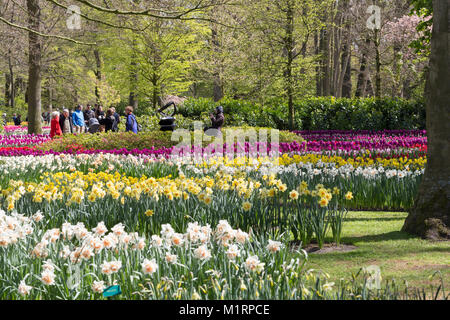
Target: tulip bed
[{"x": 74, "y": 222}]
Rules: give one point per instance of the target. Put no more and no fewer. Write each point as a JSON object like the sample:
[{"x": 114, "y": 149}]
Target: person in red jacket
[{"x": 55, "y": 128}]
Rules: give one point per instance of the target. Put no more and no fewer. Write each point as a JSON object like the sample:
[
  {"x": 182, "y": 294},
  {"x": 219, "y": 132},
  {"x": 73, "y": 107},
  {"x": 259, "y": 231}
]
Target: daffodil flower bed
[
  {"x": 203, "y": 262},
  {"x": 374, "y": 186},
  {"x": 264, "y": 205}
]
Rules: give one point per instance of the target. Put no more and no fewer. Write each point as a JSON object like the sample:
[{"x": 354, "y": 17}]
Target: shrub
[
  {"x": 144, "y": 140},
  {"x": 318, "y": 113},
  {"x": 109, "y": 141},
  {"x": 328, "y": 113}
]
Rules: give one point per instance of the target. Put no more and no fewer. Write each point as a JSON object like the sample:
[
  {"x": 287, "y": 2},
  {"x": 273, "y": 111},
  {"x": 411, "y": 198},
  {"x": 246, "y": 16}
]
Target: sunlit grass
[{"x": 380, "y": 242}]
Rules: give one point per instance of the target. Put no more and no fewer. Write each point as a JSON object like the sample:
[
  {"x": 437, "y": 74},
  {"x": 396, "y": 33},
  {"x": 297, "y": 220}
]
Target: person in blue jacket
[
  {"x": 78, "y": 120},
  {"x": 131, "y": 124}
]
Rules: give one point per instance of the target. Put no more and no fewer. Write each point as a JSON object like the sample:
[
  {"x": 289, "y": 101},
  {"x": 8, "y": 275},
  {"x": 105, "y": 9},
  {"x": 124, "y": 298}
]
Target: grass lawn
[{"x": 380, "y": 242}]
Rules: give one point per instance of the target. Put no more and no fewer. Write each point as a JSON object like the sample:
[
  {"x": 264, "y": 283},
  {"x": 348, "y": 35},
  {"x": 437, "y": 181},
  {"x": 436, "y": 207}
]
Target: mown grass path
[{"x": 380, "y": 242}]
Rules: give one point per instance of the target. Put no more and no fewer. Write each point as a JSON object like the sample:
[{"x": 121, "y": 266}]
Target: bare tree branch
[
  {"x": 45, "y": 35},
  {"x": 147, "y": 12},
  {"x": 95, "y": 20}
]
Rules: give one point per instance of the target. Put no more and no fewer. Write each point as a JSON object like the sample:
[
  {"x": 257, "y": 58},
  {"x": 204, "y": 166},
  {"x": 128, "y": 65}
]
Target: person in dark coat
[
  {"x": 217, "y": 119},
  {"x": 65, "y": 122},
  {"x": 99, "y": 113},
  {"x": 115, "y": 126},
  {"x": 88, "y": 113},
  {"x": 17, "y": 120},
  {"x": 108, "y": 120}
]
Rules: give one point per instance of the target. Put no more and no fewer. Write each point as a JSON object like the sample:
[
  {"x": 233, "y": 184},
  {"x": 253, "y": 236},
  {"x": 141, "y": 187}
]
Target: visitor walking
[
  {"x": 16, "y": 119},
  {"x": 55, "y": 129},
  {"x": 99, "y": 113},
  {"x": 108, "y": 121},
  {"x": 65, "y": 122},
  {"x": 131, "y": 123},
  {"x": 88, "y": 113},
  {"x": 46, "y": 116},
  {"x": 78, "y": 120},
  {"x": 115, "y": 126}
]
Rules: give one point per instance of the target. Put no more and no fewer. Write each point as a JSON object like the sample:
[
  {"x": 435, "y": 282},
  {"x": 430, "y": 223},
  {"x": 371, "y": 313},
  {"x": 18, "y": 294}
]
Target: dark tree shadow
[
  {"x": 393, "y": 235},
  {"x": 375, "y": 219}
]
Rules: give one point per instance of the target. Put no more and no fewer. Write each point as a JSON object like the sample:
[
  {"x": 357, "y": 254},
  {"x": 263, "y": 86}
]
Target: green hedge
[
  {"x": 237, "y": 112},
  {"x": 109, "y": 141},
  {"x": 360, "y": 114},
  {"x": 142, "y": 140},
  {"x": 322, "y": 113}
]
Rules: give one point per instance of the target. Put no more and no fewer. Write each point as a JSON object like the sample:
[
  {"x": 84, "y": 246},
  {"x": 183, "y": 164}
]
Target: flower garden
[{"x": 76, "y": 220}]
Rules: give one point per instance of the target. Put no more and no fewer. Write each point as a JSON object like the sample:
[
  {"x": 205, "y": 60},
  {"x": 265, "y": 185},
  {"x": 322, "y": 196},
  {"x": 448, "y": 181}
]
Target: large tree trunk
[
  {"x": 7, "y": 89},
  {"x": 361, "y": 86},
  {"x": 11, "y": 90},
  {"x": 217, "y": 81},
  {"x": 324, "y": 47},
  {"x": 133, "y": 101},
  {"x": 289, "y": 47},
  {"x": 335, "y": 89},
  {"x": 98, "y": 73},
  {"x": 50, "y": 99},
  {"x": 377, "y": 64},
  {"x": 429, "y": 218},
  {"x": 346, "y": 82},
  {"x": 318, "y": 75},
  {"x": 156, "y": 91},
  {"x": 34, "y": 69}
]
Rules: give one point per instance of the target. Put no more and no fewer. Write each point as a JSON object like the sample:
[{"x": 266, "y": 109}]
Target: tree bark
[
  {"x": 324, "y": 48},
  {"x": 346, "y": 82},
  {"x": 363, "y": 73},
  {"x": 98, "y": 73},
  {"x": 289, "y": 47},
  {"x": 377, "y": 64},
  {"x": 429, "y": 218},
  {"x": 133, "y": 101},
  {"x": 12, "y": 86},
  {"x": 50, "y": 99},
  {"x": 156, "y": 92},
  {"x": 7, "y": 89},
  {"x": 319, "y": 91},
  {"x": 217, "y": 82},
  {"x": 34, "y": 68}
]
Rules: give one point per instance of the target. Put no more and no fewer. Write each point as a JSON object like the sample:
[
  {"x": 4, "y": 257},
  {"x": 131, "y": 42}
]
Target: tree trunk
[
  {"x": 318, "y": 75},
  {"x": 34, "y": 69},
  {"x": 335, "y": 89},
  {"x": 12, "y": 85},
  {"x": 50, "y": 99},
  {"x": 156, "y": 91},
  {"x": 217, "y": 82},
  {"x": 406, "y": 89},
  {"x": 98, "y": 73},
  {"x": 429, "y": 218},
  {"x": 289, "y": 47},
  {"x": 324, "y": 47},
  {"x": 133, "y": 101},
  {"x": 396, "y": 70},
  {"x": 363, "y": 73},
  {"x": 346, "y": 83},
  {"x": 369, "y": 86},
  {"x": 7, "y": 89},
  {"x": 377, "y": 65}
]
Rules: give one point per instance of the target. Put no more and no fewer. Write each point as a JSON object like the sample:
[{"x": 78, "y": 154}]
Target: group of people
[
  {"x": 90, "y": 120},
  {"x": 16, "y": 119}
]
